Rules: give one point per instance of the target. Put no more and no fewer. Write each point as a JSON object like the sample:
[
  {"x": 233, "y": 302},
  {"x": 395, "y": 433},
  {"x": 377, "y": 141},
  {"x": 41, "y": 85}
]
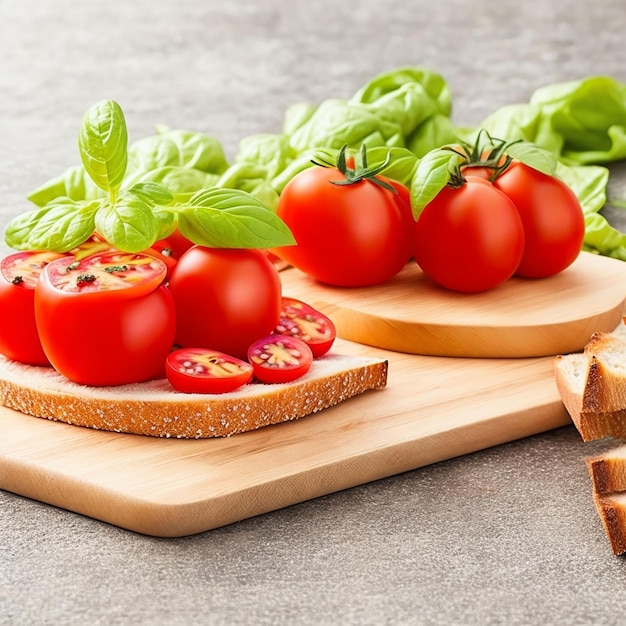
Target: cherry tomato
[
  {"x": 163, "y": 251},
  {"x": 298, "y": 319},
  {"x": 107, "y": 319},
  {"x": 347, "y": 235},
  {"x": 553, "y": 219},
  {"x": 177, "y": 243},
  {"x": 469, "y": 238},
  {"x": 206, "y": 371},
  {"x": 19, "y": 339},
  {"x": 279, "y": 358},
  {"x": 225, "y": 298}
]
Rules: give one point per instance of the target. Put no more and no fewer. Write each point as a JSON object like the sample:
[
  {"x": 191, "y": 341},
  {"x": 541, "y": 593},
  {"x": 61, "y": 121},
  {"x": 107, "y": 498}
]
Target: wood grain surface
[
  {"x": 433, "y": 408},
  {"x": 520, "y": 318}
]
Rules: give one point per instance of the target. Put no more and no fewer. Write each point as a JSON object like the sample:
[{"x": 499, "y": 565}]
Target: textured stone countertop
[{"x": 508, "y": 535}]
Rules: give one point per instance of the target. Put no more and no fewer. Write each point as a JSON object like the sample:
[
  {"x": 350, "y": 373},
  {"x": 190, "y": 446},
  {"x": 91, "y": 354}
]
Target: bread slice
[
  {"x": 608, "y": 470},
  {"x": 608, "y": 476},
  {"x": 156, "y": 409},
  {"x": 612, "y": 510},
  {"x": 592, "y": 386}
]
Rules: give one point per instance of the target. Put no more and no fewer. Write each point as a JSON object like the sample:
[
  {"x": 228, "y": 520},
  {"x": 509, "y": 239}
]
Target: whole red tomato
[
  {"x": 106, "y": 319},
  {"x": 348, "y": 234},
  {"x": 225, "y": 298},
  {"x": 19, "y": 273},
  {"x": 553, "y": 219},
  {"x": 469, "y": 238}
]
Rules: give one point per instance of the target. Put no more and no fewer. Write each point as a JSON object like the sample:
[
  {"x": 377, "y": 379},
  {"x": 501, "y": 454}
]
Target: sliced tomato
[
  {"x": 19, "y": 273},
  {"x": 135, "y": 273},
  {"x": 198, "y": 370},
  {"x": 279, "y": 358},
  {"x": 23, "y": 268},
  {"x": 301, "y": 320}
]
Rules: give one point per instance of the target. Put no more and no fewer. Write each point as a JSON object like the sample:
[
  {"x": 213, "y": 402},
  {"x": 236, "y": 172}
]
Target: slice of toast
[
  {"x": 592, "y": 386},
  {"x": 154, "y": 408}
]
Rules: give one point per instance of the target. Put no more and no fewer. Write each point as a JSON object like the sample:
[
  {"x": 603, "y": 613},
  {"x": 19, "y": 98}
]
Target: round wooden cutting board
[{"x": 520, "y": 318}]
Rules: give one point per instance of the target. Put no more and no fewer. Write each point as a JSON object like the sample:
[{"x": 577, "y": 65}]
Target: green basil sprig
[{"x": 132, "y": 219}]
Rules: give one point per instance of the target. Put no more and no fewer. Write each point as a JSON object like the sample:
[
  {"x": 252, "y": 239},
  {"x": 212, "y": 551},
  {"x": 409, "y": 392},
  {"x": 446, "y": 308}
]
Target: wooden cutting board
[
  {"x": 433, "y": 408},
  {"x": 520, "y": 318}
]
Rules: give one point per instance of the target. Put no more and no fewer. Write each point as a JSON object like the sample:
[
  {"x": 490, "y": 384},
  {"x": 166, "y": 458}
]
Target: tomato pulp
[
  {"x": 279, "y": 359},
  {"x": 298, "y": 319},
  {"x": 195, "y": 370},
  {"x": 106, "y": 319}
]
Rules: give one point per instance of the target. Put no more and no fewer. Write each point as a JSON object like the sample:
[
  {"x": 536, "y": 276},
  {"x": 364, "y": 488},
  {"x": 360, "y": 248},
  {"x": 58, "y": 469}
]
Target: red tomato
[
  {"x": 225, "y": 298},
  {"x": 279, "y": 359},
  {"x": 469, "y": 238},
  {"x": 553, "y": 219},
  {"x": 19, "y": 339},
  {"x": 163, "y": 251},
  {"x": 206, "y": 371},
  {"x": 107, "y": 319},
  {"x": 347, "y": 235},
  {"x": 176, "y": 242},
  {"x": 298, "y": 319}
]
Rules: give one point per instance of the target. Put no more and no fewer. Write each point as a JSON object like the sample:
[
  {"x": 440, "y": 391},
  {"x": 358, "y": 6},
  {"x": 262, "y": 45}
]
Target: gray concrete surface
[{"x": 505, "y": 536}]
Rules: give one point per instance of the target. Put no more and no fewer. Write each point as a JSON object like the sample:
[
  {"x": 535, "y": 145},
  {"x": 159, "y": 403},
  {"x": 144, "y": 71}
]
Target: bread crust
[
  {"x": 612, "y": 511},
  {"x": 156, "y": 410},
  {"x": 593, "y": 388}
]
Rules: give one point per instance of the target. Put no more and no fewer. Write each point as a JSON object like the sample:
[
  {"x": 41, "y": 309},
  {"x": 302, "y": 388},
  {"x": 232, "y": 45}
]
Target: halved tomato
[
  {"x": 279, "y": 358},
  {"x": 107, "y": 319},
  {"x": 133, "y": 273},
  {"x": 19, "y": 339},
  {"x": 198, "y": 370},
  {"x": 301, "y": 320}
]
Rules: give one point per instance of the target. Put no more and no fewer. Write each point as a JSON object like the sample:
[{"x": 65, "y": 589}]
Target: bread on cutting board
[{"x": 154, "y": 408}]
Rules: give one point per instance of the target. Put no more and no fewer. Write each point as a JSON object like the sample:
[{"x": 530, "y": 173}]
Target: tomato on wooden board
[
  {"x": 554, "y": 224},
  {"x": 19, "y": 339},
  {"x": 196, "y": 370},
  {"x": 224, "y": 298},
  {"x": 301, "y": 320},
  {"x": 107, "y": 319},
  {"x": 349, "y": 233},
  {"x": 469, "y": 238},
  {"x": 279, "y": 358}
]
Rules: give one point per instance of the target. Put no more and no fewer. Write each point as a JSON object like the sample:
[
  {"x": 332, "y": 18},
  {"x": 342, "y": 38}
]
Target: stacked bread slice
[{"x": 592, "y": 385}]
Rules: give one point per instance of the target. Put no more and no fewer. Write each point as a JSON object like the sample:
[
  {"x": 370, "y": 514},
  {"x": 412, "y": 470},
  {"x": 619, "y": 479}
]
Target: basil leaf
[
  {"x": 59, "y": 226},
  {"x": 533, "y": 156},
  {"x": 102, "y": 141},
  {"x": 152, "y": 192},
  {"x": 402, "y": 163},
  {"x": 231, "y": 218},
  {"x": 128, "y": 223},
  {"x": 433, "y": 173},
  {"x": 181, "y": 182},
  {"x": 73, "y": 183}
]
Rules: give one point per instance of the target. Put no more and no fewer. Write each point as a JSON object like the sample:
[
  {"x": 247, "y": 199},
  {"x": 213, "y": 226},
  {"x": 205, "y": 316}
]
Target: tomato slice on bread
[
  {"x": 199, "y": 370},
  {"x": 279, "y": 358},
  {"x": 301, "y": 320}
]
